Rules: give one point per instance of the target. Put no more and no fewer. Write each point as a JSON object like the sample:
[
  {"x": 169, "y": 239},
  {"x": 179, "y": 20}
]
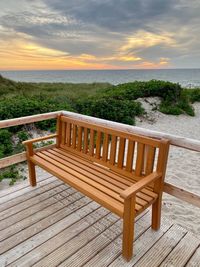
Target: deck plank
[
  {"x": 79, "y": 242},
  {"x": 110, "y": 252},
  {"x": 195, "y": 259},
  {"x": 91, "y": 248},
  {"x": 27, "y": 212},
  {"x": 54, "y": 225},
  {"x": 51, "y": 189},
  {"x": 141, "y": 246},
  {"x": 40, "y": 254},
  {"x": 70, "y": 217},
  {"x": 41, "y": 175},
  {"x": 162, "y": 248},
  {"x": 50, "y": 206},
  {"x": 32, "y": 230},
  {"x": 182, "y": 252},
  {"x": 21, "y": 197}
]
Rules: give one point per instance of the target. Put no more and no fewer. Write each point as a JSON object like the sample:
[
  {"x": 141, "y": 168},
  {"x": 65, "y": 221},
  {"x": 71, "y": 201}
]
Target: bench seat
[{"x": 92, "y": 179}]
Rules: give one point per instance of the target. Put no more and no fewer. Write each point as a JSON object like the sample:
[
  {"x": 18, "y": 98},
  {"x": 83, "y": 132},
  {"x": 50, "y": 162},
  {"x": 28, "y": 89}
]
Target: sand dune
[{"x": 183, "y": 166}]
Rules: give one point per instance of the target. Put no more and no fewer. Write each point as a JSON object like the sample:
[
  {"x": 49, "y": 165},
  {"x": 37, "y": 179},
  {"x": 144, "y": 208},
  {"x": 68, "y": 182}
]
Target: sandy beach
[{"x": 183, "y": 165}]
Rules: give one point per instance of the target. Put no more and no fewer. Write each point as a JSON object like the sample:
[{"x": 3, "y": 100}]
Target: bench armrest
[
  {"x": 132, "y": 190},
  {"x": 39, "y": 139}
]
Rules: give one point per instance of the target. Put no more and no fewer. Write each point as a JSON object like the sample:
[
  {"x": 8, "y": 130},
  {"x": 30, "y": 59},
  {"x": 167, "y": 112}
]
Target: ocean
[{"x": 186, "y": 77}]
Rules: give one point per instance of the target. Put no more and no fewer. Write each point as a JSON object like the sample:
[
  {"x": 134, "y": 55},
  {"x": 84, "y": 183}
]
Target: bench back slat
[
  {"x": 74, "y": 134},
  {"x": 98, "y": 145},
  {"x": 91, "y": 138},
  {"x": 120, "y": 160},
  {"x": 130, "y": 154},
  {"x": 68, "y": 134},
  {"x": 149, "y": 159},
  {"x": 139, "y": 159},
  {"x": 105, "y": 147},
  {"x": 79, "y": 141},
  {"x": 85, "y": 142},
  {"x": 113, "y": 149},
  {"x": 123, "y": 152}
]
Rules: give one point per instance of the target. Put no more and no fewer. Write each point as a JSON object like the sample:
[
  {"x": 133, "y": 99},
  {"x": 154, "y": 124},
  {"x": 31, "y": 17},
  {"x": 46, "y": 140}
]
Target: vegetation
[
  {"x": 11, "y": 173},
  {"x": 193, "y": 94},
  {"x": 118, "y": 103}
]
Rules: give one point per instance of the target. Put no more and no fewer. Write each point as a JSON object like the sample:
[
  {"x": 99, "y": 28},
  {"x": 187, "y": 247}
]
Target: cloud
[
  {"x": 143, "y": 39},
  {"x": 106, "y": 33}
]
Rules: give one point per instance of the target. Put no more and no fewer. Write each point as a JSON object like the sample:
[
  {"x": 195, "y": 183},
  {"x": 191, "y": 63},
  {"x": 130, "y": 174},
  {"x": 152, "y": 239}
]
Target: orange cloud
[
  {"x": 23, "y": 54},
  {"x": 144, "y": 39},
  {"x": 27, "y": 55},
  {"x": 163, "y": 62}
]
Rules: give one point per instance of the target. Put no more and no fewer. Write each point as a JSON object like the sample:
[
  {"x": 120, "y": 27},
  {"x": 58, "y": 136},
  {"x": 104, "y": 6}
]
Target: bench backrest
[{"x": 121, "y": 151}]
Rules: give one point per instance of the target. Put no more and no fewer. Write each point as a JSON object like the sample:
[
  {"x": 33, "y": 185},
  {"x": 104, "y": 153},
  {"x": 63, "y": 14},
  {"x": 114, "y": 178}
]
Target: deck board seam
[
  {"x": 49, "y": 225},
  {"x": 173, "y": 247},
  {"x": 21, "y": 188},
  {"x": 109, "y": 242},
  {"x": 156, "y": 243},
  {"x": 113, "y": 223},
  {"x": 191, "y": 256},
  {"x": 38, "y": 188},
  {"x": 59, "y": 209},
  {"x": 33, "y": 206},
  {"x": 79, "y": 219},
  {"x": 120, "y": 236},
  {"x": 59, "y": 185},
  {"x": 89, "y": 225}
]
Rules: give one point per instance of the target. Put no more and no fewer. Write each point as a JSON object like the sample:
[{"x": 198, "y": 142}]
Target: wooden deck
[{"x": 54, "y": 225}]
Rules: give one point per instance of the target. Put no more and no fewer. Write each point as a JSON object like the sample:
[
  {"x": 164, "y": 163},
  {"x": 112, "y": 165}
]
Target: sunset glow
[{"x": 60, "y": 35}]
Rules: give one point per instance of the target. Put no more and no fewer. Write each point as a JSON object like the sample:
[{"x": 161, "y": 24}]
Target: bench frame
[{"x": 128, "y": 195}]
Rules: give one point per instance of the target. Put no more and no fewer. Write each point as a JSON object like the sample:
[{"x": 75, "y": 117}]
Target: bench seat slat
[
  {"x": 112, "y": 183},
  {"x": 81, "y": 177},
  {"x": 122, "y": 179},
  {"x": 68, "y": 169},
  {"x": 103, "y": 199},
  {"x": 82, "y": 166},
  {"x": 99, "y": 180}
]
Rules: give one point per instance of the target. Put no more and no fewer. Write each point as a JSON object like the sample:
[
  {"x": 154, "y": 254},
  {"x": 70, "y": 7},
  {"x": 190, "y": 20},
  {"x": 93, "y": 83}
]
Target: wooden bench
[{"x": 121, "y": 171}]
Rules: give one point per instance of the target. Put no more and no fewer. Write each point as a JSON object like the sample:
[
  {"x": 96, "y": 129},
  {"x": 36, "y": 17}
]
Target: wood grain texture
[
  {"x": 59, "y": 226},
  {"x": 113, "y": 149}
]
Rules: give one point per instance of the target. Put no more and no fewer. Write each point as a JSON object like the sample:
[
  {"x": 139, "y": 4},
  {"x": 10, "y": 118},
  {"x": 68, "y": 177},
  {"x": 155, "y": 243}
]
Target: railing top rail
[
  {"x": 28, "y": 119},
  {"x": 175, "y": 140}
]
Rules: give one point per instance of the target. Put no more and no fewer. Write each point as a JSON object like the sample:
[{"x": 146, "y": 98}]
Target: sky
[{"x": 99, "y": 34}]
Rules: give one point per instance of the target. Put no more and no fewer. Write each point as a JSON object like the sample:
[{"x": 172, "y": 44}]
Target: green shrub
[
  {"x": 111, "y": 109},
  {"x": 22, "y": 106},
  {"x": 173, "y": 99},
  {"x": 11, "y": 173},
  {"x": 168, "y": 109},
  {"x": 152, "y": 88},
  {"x": 22, "y": 135},
  {"x": 194, "y": 94},
  {"x": 6, "y": 146}
]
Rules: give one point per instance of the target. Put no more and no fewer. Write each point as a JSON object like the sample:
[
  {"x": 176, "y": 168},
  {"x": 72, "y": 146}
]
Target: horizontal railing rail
[{"x": 175, "y": 140}]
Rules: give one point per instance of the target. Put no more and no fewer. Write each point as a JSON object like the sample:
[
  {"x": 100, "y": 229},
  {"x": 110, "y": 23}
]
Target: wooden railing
[{"x": 178, "y": 141}]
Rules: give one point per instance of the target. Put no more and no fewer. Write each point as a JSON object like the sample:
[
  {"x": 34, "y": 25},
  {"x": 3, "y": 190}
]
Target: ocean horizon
[{"x": 188, "y": 78}]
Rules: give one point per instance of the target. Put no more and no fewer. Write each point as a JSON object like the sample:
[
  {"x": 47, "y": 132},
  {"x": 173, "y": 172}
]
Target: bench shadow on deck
[{"x": 54, "y": 225}]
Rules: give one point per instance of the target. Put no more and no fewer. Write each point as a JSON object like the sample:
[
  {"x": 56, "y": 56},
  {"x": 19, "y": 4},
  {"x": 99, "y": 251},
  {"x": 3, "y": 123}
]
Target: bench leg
[
  {"x": 128, "y": 228},
  {"x": 156, "y": 213},
  {"x": 32, "y": 175}
]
